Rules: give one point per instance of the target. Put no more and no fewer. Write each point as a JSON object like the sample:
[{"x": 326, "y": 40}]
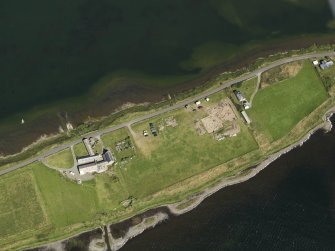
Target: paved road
[{"x": 168, "y": 109}]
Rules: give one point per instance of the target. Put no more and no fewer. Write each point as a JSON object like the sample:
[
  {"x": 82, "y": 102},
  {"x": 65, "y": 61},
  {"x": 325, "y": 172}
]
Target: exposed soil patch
[
  {"x": 170, "y": 121},
  {"x": 221, "y": 116}
]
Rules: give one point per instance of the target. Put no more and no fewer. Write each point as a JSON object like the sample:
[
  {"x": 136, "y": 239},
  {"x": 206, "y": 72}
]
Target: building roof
[
  {"x": 107, "y": 156},
  {"x": 246, "y": 117},
  {"x": 94, "y": 167},
  {"x": 88, "y": 146},
  {"x": 89, "y": 159},
  {"x": 326, "y": 64},
  {"x": 239, "y": 96},
  {"x": 88, "y": 168}
]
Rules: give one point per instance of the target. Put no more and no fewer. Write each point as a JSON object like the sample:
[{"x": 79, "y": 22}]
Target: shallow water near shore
[
  {"x": 50, "y": 63},
  {"x": 288, "y": 206}
]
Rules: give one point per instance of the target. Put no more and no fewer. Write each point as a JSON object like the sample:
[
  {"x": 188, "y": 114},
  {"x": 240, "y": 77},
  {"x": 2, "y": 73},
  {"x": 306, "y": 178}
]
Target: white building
[
  {"x": 93, "y": 167},
  {"x": 88, "y": 146},
  {"x": 246, "y": 105},
  {"x": 246, "y": 117},
  {"x": 95, "y": 164}
]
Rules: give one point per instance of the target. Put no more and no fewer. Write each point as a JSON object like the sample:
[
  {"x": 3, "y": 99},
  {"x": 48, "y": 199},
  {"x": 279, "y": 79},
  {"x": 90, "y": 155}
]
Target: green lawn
[
  {"x": 66, "y": 202},
  {"x": 80, "y": 150},
  {"x": 20, "y": 208},
  {"x": 63, "y": 159},
  {"x": 279, "y": 107}
]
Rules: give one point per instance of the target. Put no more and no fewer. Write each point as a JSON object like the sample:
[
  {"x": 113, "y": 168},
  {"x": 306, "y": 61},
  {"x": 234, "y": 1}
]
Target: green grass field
[
  {"x": 80, "y": 150},
  {"x": 178, "y": 153},
  {"x": 66, "y": 202},
  {"x": 41, "y": 202},
  {"x": 279, "y": 107},
  {"x": 63, "y": 159},
  {"x": 20, "y": 208}
]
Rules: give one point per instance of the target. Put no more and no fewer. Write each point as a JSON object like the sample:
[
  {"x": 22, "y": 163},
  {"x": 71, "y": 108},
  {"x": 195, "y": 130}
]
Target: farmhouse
[{"x": 95, "y": 164}]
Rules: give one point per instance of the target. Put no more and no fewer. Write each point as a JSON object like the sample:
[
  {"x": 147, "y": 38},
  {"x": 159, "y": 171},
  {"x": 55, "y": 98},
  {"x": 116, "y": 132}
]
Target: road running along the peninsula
[{"x": 168, "y": 109}]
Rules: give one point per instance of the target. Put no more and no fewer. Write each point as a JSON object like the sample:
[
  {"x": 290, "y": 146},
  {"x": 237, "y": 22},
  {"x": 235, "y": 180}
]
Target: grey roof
[{"x": 107, "y": 156}]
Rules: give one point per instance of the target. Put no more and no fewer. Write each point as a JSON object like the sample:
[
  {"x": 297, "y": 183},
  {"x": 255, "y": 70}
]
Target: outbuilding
[
  {"x": 239, "y": 96},
  {"x": 246, "y": 117}
]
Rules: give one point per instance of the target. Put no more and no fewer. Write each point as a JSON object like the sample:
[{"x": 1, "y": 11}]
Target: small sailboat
[{"x": 22, "y": 121}]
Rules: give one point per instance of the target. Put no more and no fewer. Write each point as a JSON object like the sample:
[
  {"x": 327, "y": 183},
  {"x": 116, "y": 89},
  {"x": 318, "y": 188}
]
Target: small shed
[
  {"x": 246, "y": 105},
  {"x": 246, "y": 117},
  {"x": 239, "y": 96}
]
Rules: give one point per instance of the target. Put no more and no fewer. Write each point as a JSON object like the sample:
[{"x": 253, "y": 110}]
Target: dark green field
[{"x": 279, "y": 107}]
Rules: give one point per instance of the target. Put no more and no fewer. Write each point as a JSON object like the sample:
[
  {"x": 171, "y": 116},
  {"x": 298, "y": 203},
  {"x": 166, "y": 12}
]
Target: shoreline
[
  {"x": 152, "y": 220},
  {"x": 293, "y": 46},
  {"x": 242, "y": 176},
  {"x": 198, "y": 198}
]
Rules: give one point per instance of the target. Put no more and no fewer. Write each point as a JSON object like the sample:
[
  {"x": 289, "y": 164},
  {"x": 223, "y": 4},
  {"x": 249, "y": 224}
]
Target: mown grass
[
  {"x": 63, "y": 159},
  {"x": 20, "y": 208},
  {"x": 80, "y": 150},
  {"x": 66, "y": 202},
  {"x": 279, "y": 107},
  {"x": 178, "y": 153},
  {"x": 38, "y": 203}
]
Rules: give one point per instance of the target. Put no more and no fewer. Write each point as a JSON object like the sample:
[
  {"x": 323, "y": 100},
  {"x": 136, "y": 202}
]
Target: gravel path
[{"x": 257, "y": 88}]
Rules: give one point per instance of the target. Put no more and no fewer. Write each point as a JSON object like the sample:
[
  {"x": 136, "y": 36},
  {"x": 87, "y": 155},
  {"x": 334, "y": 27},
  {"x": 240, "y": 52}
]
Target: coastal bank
[{"x": 107, "y": 191}]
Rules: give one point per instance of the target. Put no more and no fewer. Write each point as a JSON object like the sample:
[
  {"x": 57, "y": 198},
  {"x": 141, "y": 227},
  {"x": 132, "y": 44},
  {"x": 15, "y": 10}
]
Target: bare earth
[{"x": 221, "y": 116}]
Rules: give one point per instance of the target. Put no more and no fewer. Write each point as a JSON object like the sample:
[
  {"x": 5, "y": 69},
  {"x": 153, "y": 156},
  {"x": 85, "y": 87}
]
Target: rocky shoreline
[
  {"x": 197, "y": 199},
  {"x": 138, "y": 224}
]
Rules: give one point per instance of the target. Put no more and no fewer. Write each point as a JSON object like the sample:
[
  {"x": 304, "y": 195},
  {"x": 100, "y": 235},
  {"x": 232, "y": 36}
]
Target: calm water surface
[
  {"x": 288, "y": 206},
  {"x": 53, "y": 53}
]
